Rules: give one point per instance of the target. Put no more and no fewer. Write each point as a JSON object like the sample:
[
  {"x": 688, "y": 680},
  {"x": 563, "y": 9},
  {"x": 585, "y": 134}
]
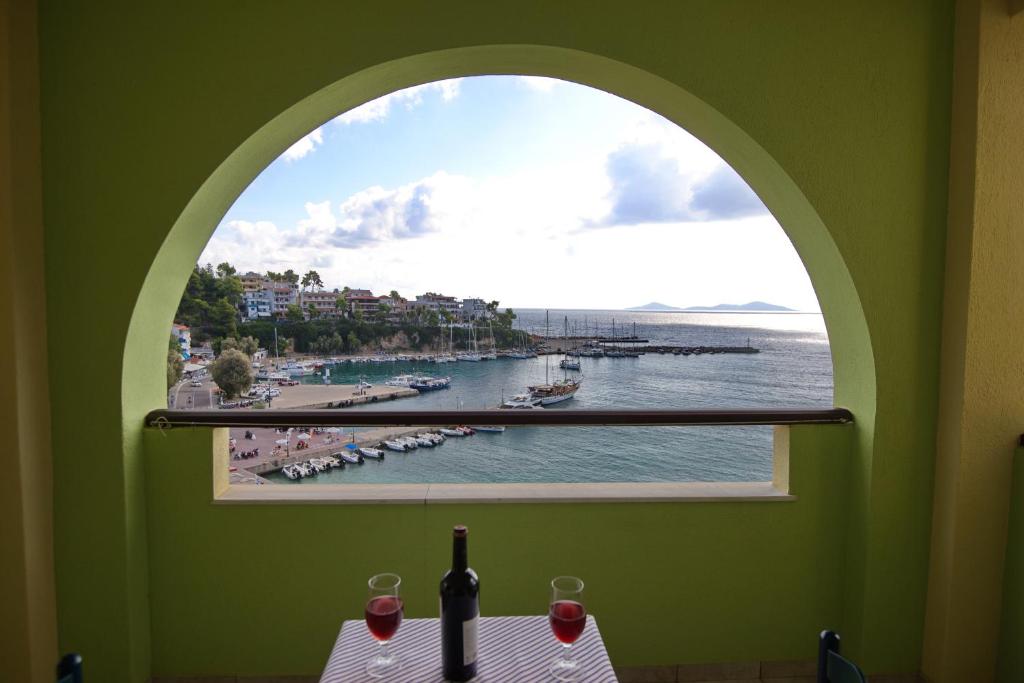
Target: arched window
[{"x": 500, "y": 241}]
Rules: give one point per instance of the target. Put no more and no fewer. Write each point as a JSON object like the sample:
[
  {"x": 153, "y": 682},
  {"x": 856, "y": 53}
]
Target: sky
[{"x": 535, "y": 192}]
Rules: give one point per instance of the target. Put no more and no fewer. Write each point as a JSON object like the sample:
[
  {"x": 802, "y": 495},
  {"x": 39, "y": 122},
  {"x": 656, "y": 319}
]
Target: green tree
[
  {"x": 231, "y": 372},
  {"x": 223, "y": 319},
  {"x": 353, "y": 343},
  {"x": 290, "y": 276},
  {"x": 383, "y": 310},
  {"x": 312, "y": 279},
  {"x": 294, "y": 314},
  {"x": 249, "y": 345},
  {"x": 227, "y": 344},
  {"x": 395, "y": 296},
  {"x": 225, "y": 270}
]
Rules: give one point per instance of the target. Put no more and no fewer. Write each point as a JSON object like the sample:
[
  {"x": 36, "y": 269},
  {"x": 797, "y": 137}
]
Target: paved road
[{"x": 185, "y": 396}]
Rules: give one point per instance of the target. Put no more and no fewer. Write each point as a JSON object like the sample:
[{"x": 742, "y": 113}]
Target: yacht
[
  {"x": 555, "y": 392},
  {"x": 401, "y": 381}
]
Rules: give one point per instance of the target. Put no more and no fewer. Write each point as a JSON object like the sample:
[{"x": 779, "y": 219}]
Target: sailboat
[
  {"x": 568, "y": 363},
  {"x": 550, "y": 393},
  {"x": 493, "y": 353},
  {"x": 474, "y": 355}
]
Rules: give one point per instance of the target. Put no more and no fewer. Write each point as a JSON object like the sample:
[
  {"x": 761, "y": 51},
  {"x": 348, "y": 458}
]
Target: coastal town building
[
  {"x": 324, "y": 302},
  {"x": 474, "y": 309},
  {"x": 436, "y": 302},
  {"x": 183, "y": 335}
]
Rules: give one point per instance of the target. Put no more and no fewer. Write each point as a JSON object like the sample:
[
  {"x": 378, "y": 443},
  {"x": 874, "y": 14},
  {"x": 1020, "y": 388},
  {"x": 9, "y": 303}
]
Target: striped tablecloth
[{"x": 512, "y": 650}]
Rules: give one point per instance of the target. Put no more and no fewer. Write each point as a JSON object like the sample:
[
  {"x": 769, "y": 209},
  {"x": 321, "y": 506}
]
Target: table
[{"x": 512, "y": 650}]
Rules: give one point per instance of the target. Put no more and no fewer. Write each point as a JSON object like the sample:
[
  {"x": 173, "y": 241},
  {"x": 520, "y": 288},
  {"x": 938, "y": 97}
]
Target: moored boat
[{"x": 374, "y": 453}]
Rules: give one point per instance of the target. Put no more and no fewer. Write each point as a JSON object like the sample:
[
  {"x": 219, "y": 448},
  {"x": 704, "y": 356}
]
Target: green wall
[
  {"x": 262, "y": 589},
  {"x": 156, "y": 116}
]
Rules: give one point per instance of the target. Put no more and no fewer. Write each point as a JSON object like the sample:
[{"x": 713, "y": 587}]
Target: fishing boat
[
  {"x": 395, "y": 446},
  {"x": 374, "y": 453},
  {"x": 452, "y": 432},
  {"x": 489, "y": 428}
]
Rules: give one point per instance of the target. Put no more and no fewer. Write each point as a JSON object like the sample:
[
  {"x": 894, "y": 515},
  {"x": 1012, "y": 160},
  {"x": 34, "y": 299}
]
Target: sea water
[{"x": 792, "y": 369}]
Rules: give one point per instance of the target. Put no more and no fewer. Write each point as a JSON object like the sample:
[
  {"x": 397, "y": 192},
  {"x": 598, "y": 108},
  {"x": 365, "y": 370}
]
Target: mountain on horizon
[
  {"x": 751, "y": 307},
  {"x": 654, "y": 306},
  {"x": 756, "y": 306}
]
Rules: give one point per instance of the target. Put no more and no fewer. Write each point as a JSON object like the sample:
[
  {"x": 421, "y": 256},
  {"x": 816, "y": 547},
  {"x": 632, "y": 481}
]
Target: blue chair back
[
  {"x": 69, "y": 669},
  {"x": 832, "y": 666}
]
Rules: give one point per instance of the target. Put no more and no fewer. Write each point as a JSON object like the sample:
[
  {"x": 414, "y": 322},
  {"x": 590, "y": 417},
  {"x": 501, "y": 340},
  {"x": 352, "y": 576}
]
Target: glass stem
[
  {"x": 567, "y": 651},
  {"x": 384, "y": 649}
]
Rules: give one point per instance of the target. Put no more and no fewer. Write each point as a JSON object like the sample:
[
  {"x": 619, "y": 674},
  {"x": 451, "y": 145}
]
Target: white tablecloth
[{"x": 512, "y": 650}]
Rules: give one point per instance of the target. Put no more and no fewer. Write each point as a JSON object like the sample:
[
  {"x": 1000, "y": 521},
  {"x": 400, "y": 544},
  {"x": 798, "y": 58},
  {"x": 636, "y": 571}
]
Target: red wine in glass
[
  {"x": 567, "y": 618},
  {"x": 384, "y": 616}
]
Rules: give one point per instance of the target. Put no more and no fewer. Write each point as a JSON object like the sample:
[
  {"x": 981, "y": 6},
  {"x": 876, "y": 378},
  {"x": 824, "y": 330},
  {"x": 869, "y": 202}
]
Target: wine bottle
[{"x": 460, "y": 613}]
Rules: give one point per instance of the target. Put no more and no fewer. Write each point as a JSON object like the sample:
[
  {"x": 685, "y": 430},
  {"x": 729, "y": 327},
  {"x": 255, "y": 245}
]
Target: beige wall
[
  {"x": 28, "y": 647},
  {"x": 981, "y": 409}
]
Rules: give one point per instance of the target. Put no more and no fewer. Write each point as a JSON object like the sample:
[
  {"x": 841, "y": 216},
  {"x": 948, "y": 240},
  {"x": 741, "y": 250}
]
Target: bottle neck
[{"x": 459, "y": 562}]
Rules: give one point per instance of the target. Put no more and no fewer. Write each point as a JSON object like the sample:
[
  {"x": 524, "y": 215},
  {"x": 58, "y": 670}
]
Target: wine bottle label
[{"x": 469, "y": 629}]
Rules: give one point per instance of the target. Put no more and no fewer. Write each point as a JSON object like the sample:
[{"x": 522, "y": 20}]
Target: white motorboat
[
  {"x": 425, "y": 442},
  {"x": 489, "y": 428},
  {"x": 436, "y": 439},
  {"x": 290, "y": 472},
  {"x": 409, "y": 442},
  {"x": 452, "y": 432},
  {"x": 401, "y": 380},
  {"x": 469, "y": 357},
  {"x": 374, "y": 453},
  {"x": 304, "y": 469},
  {"x": 522, "y": 401},
  {"x": 350, "y": 457},
  {"x": 318, "y": 465},
  {"x": 395, "y": 446},
  {"x": 569, "y": 363},
  {"x": 331, "y": 461}
]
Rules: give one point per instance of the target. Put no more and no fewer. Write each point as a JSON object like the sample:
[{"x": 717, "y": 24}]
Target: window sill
[{"x": 439, "y": 494}]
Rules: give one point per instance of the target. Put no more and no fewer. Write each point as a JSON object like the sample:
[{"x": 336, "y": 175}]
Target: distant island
[{"x": 751, "y": 307}]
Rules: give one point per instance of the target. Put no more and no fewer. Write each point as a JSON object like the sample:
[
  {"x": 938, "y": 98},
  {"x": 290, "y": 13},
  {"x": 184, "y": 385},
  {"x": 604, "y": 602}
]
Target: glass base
[
  {"x": 382, "y": 665},
  {"x": 565, "y": 669}
]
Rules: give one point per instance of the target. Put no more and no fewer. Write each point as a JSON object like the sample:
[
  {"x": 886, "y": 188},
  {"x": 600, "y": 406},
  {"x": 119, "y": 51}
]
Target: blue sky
[{"x": 536, "y": 192}]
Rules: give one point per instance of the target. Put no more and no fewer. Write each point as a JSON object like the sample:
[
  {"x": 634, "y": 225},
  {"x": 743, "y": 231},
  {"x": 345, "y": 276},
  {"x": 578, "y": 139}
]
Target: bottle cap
[{"x": 460, "y": 531}]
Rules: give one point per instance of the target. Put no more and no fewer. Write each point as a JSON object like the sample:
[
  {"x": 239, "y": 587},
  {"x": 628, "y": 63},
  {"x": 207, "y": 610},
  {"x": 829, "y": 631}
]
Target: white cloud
[
  {"x": 539, "y": 83},
  {"x": 378, "y": 109},
  {"x": 304, "y": 145}
]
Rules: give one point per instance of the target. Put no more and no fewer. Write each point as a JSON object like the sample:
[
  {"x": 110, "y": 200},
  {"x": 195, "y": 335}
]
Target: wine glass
[
  {"x": 384, "y": 610},
  {"x": 567, "y": 617}
]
